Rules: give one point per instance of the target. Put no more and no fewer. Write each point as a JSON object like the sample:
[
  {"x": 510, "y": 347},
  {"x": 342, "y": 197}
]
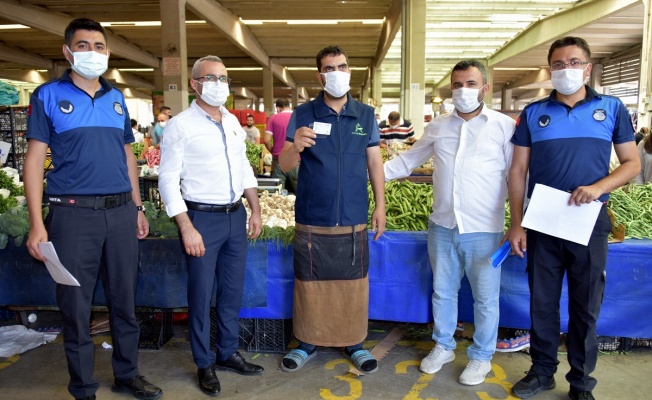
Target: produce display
[
  {"x": 137, "y": 148},
  {"x": 254, "y": 154},
  {"x": 275, "y": 209},
  {"x": 632, "y": 206},
  {"x": 407, "y": 205}
]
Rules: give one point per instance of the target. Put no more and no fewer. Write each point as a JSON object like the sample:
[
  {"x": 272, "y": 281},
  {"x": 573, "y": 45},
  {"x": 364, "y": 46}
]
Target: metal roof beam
[
  {"x": 558, "y": 25},
  {"x": 47, "y": 21},
  {"x": 390, "y": 28}
]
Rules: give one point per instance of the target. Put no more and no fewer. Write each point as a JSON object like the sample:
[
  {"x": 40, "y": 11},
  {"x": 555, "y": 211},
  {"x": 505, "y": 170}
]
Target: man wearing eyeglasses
[
  {"x": 203, "y": 174},
  {"x": 565, "y": 141}
]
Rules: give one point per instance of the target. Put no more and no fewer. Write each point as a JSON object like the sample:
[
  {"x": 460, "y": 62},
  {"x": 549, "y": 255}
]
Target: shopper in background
[
  {"x": 395, "y": 130},
  {"x": 275, "y": 131},
  {"x": 337, "y": 138},
  {"x": 464, "y": 232},
  {"x": 641, "y": 134},
  {"x": 253, "y": 134},
  {"x": 645, "y": 155},
  {"x": 95, "y": 218},
  {"x": 166, "y": 110},
  {"x": 203, "y": 174},
  {"x": 138, "y": 137},
  {"x": 161, "y": 120},
  {"x": 564, "y": 141}
]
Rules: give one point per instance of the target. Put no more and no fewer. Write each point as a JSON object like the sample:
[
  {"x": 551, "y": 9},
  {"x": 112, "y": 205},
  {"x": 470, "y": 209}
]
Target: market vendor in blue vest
[
  {"x": 564, "y": 141},
  {"x": 338, "y": 139}
]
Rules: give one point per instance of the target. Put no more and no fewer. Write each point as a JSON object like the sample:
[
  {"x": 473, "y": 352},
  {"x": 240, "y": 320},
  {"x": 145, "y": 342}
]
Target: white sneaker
[
  {"x": 475, "y": 372},
  {"x": 436, "y": 359}
]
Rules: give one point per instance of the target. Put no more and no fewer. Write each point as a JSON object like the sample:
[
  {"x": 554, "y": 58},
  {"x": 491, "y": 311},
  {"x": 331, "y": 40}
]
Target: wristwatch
[{"x": 140, "y": 208}]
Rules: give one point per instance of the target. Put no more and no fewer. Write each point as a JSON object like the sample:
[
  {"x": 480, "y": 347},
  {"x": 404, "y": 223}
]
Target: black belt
[
  {"x": 94, "y": 202},
  {"x": 214, "y": 208}
]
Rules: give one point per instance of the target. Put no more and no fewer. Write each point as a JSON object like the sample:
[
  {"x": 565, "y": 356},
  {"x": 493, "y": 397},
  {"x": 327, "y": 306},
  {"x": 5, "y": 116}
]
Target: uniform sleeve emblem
[
  {"x": 118, "y": 108},
  {"x": 66, "y": 106}
]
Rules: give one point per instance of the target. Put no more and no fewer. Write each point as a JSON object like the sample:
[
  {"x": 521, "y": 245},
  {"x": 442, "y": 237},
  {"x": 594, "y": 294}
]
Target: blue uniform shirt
[
  {"x": 86, "y": 136},
  {"x": 571, "y": 147}
]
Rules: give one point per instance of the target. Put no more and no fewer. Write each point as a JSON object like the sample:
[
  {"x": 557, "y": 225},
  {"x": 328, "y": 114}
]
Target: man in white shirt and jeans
[
  {"x": 203, "y": 174},
  {"x": 472, "y": 154}
]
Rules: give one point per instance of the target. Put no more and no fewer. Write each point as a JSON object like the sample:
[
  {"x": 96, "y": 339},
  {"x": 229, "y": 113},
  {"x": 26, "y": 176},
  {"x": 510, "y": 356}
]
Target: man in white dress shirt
[
  {"x": 203, "y": 174},
  {"x": 472, "y": 154}
]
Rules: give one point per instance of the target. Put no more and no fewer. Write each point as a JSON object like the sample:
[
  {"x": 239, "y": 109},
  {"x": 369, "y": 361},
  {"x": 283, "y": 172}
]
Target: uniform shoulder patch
[
  {"x": 118, "y": 108},
  {"x": 544, "y": 120},
  {"x": 599, "y": 115},
  {"x": 65, "y": 106}
]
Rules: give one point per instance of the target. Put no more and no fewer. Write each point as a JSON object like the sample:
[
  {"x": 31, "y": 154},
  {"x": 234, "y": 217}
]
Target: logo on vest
[
  {"x": 118, "y": 108},
  {"x": 599, "y": 115},
  {"x": 358, "y": 130},
  {"x": 54, "y": 199},
  {"x": 544, "y": 120},
  {"x": 66, "y": 106}
]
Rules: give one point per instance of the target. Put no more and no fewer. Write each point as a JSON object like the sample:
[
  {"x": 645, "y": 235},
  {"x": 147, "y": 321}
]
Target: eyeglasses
[
  {"x": 556, "y": 66},
  {"x": 213, "y": 78}
]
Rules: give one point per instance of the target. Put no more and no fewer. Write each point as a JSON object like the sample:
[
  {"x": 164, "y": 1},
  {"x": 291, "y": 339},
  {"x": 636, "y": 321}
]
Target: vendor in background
[
  {"x": 572, "y": 155},
  {"x": 645, "y": 154},
  {"x": 395, "y": 130},
  {"x": 275, "y": 131},
  {"x": 157, "y": 135},
  {"x": 95, "y": 217},
  {"x": 166, "y": 110},
  {"x": 138, "y": 136},
  {"x": 204, "y": 173},
  {"x": 253, "y": 134},
  {"x": 464, "y": 232}
]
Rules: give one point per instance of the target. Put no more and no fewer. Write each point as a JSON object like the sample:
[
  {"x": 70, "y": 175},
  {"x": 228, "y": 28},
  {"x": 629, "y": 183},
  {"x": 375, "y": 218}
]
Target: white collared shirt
[
  {"x": 471, "y": 163},
  {"x": 200, "y": 163}
]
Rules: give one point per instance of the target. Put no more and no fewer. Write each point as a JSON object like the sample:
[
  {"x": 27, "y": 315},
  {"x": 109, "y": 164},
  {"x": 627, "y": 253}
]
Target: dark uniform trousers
[
  {"x": 223, "y": 264},
  {"x": 549, "y": 258},
  {"x": 91, "y": 242}
]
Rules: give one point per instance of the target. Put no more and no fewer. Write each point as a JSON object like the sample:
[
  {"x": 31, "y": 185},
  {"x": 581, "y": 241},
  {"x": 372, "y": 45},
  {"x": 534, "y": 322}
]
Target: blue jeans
[{"x": 451, "y": 256}]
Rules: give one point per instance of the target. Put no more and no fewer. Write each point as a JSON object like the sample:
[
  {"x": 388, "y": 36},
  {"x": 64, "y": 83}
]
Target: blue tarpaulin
[{"x": 400, "y": 281}]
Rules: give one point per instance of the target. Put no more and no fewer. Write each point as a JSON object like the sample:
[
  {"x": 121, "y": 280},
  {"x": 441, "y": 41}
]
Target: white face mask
[
  {"x": 162, "y": 124},
  {"x": 568, "y": 81},
  {"x": 337, "y": 83},
  {"x": 466, "y": 100},
  {"x": 89, "y": 64},
  {"x": 215, "y": 93}
]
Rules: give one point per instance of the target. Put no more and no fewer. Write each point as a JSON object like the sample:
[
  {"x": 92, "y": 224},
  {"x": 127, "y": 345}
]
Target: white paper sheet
[
  {"x": 59, "y": 273},
  {"x": 4, "y": 152},
  {"x": 548, "y": 212}
]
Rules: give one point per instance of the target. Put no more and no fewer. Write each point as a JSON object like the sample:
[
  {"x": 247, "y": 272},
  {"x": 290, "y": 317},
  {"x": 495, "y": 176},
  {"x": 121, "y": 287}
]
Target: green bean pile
[
  {"x": 408, "y": 205},
  {"x": 632, "y": 206}
]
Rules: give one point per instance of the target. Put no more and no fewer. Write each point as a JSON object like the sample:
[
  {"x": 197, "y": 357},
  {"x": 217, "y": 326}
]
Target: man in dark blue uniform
[
  {"x": 565, "y": 141},
  {"x": 95, "y": 216}
]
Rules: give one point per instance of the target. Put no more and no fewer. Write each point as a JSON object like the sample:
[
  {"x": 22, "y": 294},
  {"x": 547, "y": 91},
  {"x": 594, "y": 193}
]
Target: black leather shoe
[
  {"x": 532, "y": 384},
  {"x": 208, "y": 382},
  {"x": 238, "y": 364},
  {"x": 579, "y": 395},
  {"x": 138, "y": 387}
]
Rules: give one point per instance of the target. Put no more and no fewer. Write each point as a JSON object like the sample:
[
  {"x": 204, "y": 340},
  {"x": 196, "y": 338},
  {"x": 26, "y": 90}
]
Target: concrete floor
[{"x": 41, "y": 373}]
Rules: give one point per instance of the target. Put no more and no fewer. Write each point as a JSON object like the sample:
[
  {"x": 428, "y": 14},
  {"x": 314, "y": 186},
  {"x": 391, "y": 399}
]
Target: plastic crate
[
  {"x": 258, "y": 335},
  {"x": 155, "y": 327}
]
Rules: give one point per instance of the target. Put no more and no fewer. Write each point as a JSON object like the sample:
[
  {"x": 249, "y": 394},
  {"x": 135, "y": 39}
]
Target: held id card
[{"x": 321, "y": 128}]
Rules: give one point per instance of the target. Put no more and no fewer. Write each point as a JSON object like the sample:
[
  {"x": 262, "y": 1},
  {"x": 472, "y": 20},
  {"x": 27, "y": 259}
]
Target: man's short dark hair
[
  {"x": 331, "y": 51},
  {"x": 394, "y": 116},
  {"x": 570, "y": 41},
  {"x": 86, "y": 24},
  {"x": 249, "y": 116},
  {"x": 133, "y": 122},
  {"x": 282, "y": 103},
  {"x": 466, "y": 64},
  {"x": 165, "y": 108}
]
